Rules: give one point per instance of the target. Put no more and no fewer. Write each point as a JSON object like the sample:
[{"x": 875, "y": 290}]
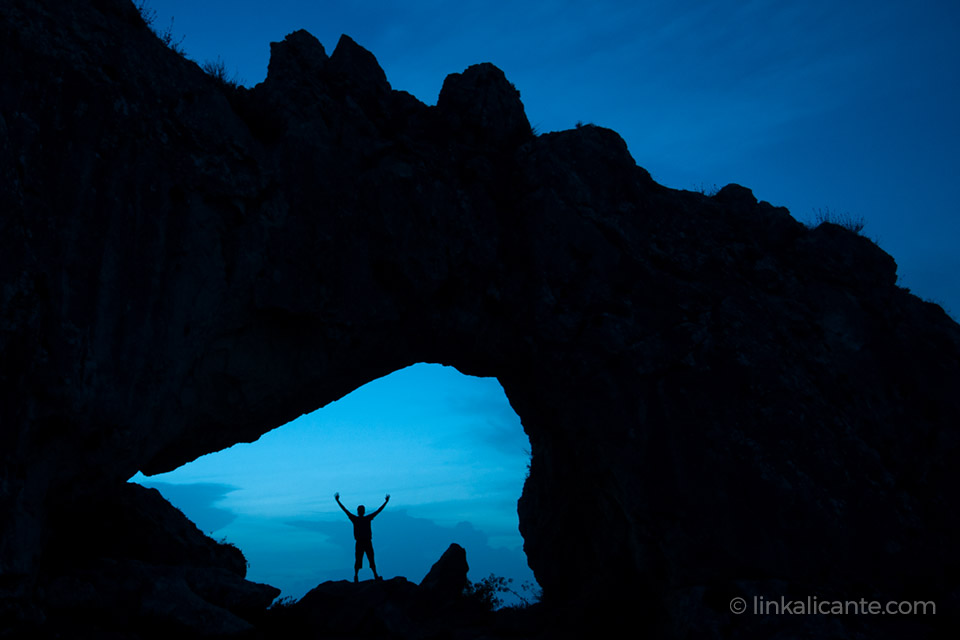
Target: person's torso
[{"x": 361, "y": 528}]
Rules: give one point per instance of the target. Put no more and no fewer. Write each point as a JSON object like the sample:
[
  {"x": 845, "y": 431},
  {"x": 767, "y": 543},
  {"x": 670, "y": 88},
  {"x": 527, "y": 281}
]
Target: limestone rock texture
[{"x": 721, "y": 402}]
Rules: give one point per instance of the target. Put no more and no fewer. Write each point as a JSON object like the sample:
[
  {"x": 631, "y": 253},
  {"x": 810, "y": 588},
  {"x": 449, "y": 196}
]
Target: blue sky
[{"x": 848, "y": 106}]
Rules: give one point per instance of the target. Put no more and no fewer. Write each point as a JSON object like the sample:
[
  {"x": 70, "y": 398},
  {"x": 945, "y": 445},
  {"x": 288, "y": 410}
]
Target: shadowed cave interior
[{"x": 448, "y": 447}]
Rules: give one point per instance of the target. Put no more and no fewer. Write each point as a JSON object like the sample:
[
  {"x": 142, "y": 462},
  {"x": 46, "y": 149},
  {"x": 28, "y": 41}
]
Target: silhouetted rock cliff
[{"x": 720, "y": 402}]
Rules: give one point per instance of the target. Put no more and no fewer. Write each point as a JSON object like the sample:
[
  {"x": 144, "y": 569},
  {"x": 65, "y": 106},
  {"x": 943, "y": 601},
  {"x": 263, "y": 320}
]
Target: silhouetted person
[{"x": 362, "y": 534}]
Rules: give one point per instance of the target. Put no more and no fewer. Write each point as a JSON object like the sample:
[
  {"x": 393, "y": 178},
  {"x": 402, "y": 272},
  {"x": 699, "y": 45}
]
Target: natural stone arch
[
  {"x": 464, "y": 436},
  {"x": 199, "y": 265}
]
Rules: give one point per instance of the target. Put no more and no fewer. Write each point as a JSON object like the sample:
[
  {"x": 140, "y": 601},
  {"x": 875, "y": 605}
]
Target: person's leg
[
  {"x": 373, "y": 565},
  {"x": 358, "y": 562}
]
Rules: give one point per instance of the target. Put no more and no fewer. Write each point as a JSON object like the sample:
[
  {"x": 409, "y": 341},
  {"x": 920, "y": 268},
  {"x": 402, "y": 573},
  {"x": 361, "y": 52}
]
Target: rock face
[
  {"x": 129, "y": 561},
  {"x": 720, "y": 401},
  {"x": 448, "y": 576}
]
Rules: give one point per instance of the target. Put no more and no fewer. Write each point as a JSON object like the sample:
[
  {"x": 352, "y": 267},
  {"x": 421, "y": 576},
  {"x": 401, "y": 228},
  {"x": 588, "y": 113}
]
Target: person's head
[{"x": 361, "y": 510}]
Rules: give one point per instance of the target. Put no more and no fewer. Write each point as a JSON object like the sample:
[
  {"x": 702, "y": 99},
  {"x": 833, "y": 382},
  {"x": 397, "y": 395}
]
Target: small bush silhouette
[
  {"x": 149, "y": 16},
  {"x": 147, "y": 13},
  {"x": 535, "y": 593},
  {"x": 282, "y": 604},
  {"x": 845, "y": 220},
  {"x": 704, "y": 190},
  {"x": 223, "y": 542},
  {"x": 218, "y": 71},
  {"x": 487, "y": 592}
]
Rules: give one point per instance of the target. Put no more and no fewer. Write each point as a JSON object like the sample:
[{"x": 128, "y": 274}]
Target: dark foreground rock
[
  {"x": 390, "y": 608},
  {"x": 439, "y": 607},
  {"x": 134, "y": 565},
  {"x": 448, "y": 576},
  {"x": 720, "y": 401}
]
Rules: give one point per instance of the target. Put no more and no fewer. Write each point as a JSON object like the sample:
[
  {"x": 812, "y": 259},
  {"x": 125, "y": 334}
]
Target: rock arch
[
  {"x": 717, "y": 397},
  {"x": 448, "y": 447}
]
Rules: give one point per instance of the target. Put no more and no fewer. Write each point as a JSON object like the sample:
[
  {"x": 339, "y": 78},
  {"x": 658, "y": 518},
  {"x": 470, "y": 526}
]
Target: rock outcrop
[
  {"x": 720, "y": 401},
  {"x": 448, "y": 576},
  {"x": 128, "y": 561},
  {"x": 441, "y": 606}
]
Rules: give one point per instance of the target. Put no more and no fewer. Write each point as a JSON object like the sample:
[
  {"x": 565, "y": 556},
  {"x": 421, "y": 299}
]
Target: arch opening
[{"x": 448, "y": 447}]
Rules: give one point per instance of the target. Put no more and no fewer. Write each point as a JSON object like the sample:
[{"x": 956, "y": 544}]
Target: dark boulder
[
  {"x": 447, "y": 578},
  {"x": 483, "y": 107},
  {"x": 373, "y": 608},
  {"x": 131, "y": 563}
]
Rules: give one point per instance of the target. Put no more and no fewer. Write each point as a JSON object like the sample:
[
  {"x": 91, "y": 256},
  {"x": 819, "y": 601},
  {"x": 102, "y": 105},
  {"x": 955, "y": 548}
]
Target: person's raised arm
[
  {"x": 336, "y": 497},
  {"x": 381, "y": 506}
]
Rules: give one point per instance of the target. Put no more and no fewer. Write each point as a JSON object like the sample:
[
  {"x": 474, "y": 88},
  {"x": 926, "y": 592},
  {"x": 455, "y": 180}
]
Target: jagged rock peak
[
  {"x": 448, "y": 575},
  {"x": 485, "y": 104},
  {"x": 358, "y": 64},
  {"x": 300, "y": 53}
]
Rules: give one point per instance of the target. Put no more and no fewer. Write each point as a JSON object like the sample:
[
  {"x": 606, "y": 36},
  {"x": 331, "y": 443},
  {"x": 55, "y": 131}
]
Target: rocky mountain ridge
[{"x": 720, "y": 401}]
